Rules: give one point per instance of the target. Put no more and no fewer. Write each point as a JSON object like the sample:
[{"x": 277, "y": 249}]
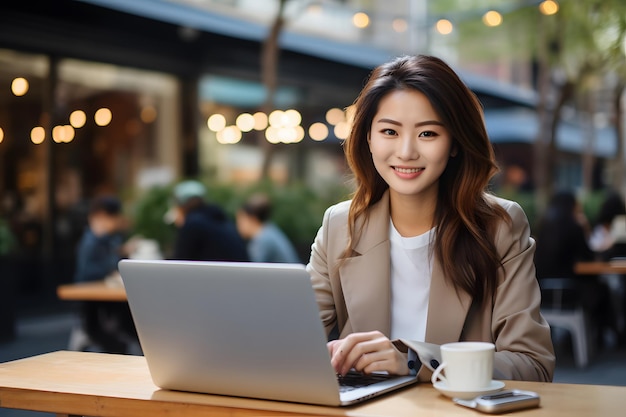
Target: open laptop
[{"x": 238, "y": 329}]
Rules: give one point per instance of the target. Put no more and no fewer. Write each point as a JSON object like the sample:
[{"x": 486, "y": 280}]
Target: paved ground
[{"x": 41, "y": 334}]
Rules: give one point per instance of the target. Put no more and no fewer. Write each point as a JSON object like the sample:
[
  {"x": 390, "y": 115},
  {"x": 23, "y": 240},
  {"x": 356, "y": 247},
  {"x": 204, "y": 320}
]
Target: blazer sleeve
[
  {"x": 522, "y": 337},
  {"x": 318, "y": 267}
]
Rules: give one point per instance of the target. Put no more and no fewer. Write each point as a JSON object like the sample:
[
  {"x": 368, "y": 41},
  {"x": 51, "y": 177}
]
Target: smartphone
[{"x": 502, "y": 402}]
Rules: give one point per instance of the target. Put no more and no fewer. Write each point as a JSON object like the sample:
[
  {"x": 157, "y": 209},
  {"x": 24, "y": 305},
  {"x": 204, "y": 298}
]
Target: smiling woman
[
  {"x": 428, "y": 255},
  {"x": 410, "y": 149}
]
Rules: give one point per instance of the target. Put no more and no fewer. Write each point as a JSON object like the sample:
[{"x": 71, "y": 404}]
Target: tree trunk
[
  {"x": 618, "y": 176},
  {"x": 269, "y": 77},
  {"x": 588, "y": 156},
  {"x": 564, "y": 93}
]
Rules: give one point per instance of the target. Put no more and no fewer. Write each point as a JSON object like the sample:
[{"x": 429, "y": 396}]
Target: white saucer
[{"x": 494, "y": 386}]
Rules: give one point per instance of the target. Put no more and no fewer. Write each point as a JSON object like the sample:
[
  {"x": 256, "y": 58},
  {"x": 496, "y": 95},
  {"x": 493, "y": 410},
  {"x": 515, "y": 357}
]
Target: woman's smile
[{"x": 408, "y": 173}]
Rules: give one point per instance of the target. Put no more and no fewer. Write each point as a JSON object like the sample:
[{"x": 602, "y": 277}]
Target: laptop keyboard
[{"x": 353, "y": 380}]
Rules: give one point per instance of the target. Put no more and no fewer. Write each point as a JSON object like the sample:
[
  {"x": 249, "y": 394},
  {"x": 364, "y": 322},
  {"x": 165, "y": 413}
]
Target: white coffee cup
[{"x": 465, "y": 366}]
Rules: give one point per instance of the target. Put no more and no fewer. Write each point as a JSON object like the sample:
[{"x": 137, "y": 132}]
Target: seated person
[
  {"x": 423, "y": 252},
  {"x": 106, "y": 326},
  {"x": 204, "y": 231},
  {"x": 266, "y": 242}
]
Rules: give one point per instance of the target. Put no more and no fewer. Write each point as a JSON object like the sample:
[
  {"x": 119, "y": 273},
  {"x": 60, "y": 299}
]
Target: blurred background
[{"x": 129, "y": 97}]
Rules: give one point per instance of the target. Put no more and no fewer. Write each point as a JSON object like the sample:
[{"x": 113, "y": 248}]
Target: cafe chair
[{"x": 561, "y": 306}]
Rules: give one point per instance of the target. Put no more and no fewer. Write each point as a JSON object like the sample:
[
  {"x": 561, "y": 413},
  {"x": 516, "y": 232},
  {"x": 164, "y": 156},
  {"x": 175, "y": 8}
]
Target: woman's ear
[{"x": 454, "y": 151}]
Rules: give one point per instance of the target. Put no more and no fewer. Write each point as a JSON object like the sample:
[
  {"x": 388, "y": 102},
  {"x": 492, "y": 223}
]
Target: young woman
[{"x": 422, "y": 253}]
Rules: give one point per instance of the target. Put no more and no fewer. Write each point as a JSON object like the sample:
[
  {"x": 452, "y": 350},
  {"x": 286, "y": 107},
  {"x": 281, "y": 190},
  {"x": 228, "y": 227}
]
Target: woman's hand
[{"x": 367, "y": 352}]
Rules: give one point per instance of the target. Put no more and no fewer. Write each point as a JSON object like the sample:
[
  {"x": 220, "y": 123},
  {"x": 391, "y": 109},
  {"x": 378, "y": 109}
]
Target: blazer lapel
[
  {"x": 366, "y": 282},
  {"x": 447, "y": 310},
  {"x": 365, "y": 276}
]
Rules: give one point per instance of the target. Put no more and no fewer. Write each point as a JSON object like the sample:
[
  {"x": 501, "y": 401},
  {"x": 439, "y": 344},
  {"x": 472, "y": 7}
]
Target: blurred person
[
  {"x": 562, "y": 237},
  {"x": 266, "y": 242},
  {"x": 423, "y": 253},
  {"x": 204, "y": 231},
  {"x": 608, "y": 242},
  {"x": 100, "y": 247},
  {"x": 562, "y": 241},
  {"x": 106, "y": 326},
  {"x": 603, "y": 239}
]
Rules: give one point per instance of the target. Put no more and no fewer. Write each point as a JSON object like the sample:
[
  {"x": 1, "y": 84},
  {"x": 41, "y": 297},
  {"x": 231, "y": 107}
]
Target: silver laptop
[{"x": 238, "y": 329}]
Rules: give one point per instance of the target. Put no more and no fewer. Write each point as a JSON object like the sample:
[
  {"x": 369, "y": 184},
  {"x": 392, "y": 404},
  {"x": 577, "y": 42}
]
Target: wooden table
[
  {"x": 100, "y": 384},
  {"x": 91, "y": 291},
  {"x": 597, "y": 268}
]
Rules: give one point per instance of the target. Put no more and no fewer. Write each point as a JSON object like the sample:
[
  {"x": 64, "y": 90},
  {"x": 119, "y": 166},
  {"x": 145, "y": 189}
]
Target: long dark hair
[{"x": 465, "y": 219}]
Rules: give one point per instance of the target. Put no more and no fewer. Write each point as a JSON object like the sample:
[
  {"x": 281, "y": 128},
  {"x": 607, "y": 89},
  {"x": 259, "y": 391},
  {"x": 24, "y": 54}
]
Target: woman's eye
[
  {"x": 388, "y": 132},
  {"x": 428, "y": 134}
]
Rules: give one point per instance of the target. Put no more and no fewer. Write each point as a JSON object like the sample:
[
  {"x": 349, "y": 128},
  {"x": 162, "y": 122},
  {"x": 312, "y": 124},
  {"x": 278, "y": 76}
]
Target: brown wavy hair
[{"x": 465, "y": 219}]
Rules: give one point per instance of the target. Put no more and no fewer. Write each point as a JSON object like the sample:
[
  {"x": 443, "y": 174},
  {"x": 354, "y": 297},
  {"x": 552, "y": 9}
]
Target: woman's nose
[{"x": 408, "y": 147}]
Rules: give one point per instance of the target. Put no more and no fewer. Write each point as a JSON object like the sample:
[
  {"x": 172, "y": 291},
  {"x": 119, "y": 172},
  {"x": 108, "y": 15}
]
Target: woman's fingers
[{"x": 366, "y": 352}]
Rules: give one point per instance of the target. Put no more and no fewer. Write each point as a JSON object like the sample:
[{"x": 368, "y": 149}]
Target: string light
[
  {"x": 19, "y": 86},
  {"x": 216, "y": 122},
  {"x": 444, "y": 26},
  {"x": 78, "y": 118},
  {"x": 318, "y": 131},
  {"x": 334, "y": 116},
  {"x": 548, "y": 7},
  {"x": 245, "y": 122},
  {"x": 37, "y": 135},
  {"x": 103, "y": 116},
  {"x": 492, "y": 18},
  {"x": 260, "y": 121},
  {"x": 361, "y": 20}
]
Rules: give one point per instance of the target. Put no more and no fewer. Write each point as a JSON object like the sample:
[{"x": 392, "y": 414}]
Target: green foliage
[
  {"x": 7, "y": 240},
  {"x": 296, "y": 209},
  {"x": 591, "y": 204},
  {"x": 526, "y": 200},
  {"x": 148, "y": 216}
]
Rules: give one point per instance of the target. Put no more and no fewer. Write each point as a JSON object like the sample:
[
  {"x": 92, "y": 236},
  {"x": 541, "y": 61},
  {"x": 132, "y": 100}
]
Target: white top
[{"x": 411, "y": 272}]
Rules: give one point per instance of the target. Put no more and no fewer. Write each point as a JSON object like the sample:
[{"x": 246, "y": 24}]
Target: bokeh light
[
  {"x": 492, "y": 18},
  {"x": 278, "y": 118},
  {"x": 216, "y": 122},
  {"x": 271, "y": 134},
  {"x": 260, "y": 120},
  {"x": 19, "y": 86},
  {"x": 37, "y": 135},
  {"x": 78, "y": 118},
  {"x": 293, "y": 117},
  {"x": 549, "y": 7},
  {"x": 63, "y": 133},
  {"x": 361, "y": 20},
  {"x": 334, "y": 116},
  {"x": 318, "y": 131},
  {"x": 103, "y": 116},
  {"x": 1, "y": 135},
  {"x": 342, "y": 130},
  {"x": 245, "y": 122},
  {"x": 444, "y": 26},
  {"x": 299, "y": 134},
  {"x": 229, "y": 135}
]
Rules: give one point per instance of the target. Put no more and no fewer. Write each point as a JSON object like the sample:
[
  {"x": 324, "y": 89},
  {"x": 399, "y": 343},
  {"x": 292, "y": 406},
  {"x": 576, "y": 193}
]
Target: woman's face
[{"x": 410, "y": 146}]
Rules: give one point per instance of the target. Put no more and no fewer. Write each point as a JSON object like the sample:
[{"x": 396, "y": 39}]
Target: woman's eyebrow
[{"x": 424, "y": 123}]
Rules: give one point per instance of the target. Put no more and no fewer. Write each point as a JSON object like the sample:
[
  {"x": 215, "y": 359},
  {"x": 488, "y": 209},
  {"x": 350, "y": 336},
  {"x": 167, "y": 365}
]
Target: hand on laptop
[{"x": 367, "y": 352}]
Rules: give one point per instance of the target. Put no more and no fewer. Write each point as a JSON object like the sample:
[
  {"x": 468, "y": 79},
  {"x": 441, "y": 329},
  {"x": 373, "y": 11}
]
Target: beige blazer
[{"x": 355, "y": 296}]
